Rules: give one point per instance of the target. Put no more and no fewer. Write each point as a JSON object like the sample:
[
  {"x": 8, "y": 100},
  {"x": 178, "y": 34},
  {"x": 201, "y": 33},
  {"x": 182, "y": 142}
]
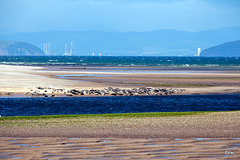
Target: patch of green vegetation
[
  {"x": 170, "y": 84},
  {"x": 76, "y": 77},
  {"x": 114, "y": 115},
  {"x": 210, "y": 78}
]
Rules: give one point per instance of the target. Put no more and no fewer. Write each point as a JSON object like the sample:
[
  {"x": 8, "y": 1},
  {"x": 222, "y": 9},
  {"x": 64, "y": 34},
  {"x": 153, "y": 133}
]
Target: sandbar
[{"x": 22, "y": 79}]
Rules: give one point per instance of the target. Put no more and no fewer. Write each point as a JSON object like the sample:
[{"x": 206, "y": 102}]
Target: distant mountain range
[
  {"x": 152, "y": 43},
  {"x": 13, "y": 48},
  {"x": 229, "y": 49}
]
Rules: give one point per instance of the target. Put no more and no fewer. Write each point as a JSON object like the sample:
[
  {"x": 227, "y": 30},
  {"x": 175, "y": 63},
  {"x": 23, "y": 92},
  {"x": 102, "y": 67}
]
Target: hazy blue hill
[
  {"x": 229, "y": 49},
  {"x": 219, "y": 36},
  {"x": 154, "y": 43},
  {"x": 13, "y": 48}
]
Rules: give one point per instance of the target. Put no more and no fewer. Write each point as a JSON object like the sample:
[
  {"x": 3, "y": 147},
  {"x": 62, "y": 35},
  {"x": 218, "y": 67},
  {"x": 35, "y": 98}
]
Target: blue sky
[{"x": 117, "y": 15}]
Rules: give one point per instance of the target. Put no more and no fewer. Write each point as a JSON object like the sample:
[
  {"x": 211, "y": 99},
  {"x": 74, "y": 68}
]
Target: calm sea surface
[{"x": 96, "y": 105}]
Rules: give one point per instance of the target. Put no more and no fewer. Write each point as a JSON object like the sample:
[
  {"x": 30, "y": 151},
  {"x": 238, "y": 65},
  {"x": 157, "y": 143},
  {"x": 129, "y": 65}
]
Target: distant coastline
[{"x": 162, "y": 42}]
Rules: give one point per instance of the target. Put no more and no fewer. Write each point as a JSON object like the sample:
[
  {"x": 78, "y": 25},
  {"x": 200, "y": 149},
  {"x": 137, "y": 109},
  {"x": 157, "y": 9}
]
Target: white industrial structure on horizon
[
  {"x": 100, "y": 54},
  {"x": 198, "y": 53},
  {"x": 68, "y": 49},
  {"x": 46, "y": 49}
]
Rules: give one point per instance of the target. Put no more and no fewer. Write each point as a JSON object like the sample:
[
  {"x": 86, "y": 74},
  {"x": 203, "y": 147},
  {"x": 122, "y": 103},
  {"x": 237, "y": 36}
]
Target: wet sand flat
[{"x": 121, "y": 148}]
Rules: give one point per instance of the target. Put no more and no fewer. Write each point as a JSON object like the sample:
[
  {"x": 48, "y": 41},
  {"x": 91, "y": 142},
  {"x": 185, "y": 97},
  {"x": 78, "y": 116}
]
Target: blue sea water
[
  {"x": 135, "y": 104},
  {"x": 121, "y": 61}
]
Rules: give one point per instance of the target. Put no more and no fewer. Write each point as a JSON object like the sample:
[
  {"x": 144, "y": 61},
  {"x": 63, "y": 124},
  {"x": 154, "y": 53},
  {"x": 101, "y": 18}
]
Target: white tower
[
  {"x": 70, "y": 53},
  {"x": 46, "y": 48},
  {"x": 199, "y": 51},
  {"x": 68, "y": 49}
]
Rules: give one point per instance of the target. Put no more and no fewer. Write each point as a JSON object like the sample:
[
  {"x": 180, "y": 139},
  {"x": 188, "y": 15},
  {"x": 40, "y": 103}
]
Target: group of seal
[{"x": 109, "y": 91}]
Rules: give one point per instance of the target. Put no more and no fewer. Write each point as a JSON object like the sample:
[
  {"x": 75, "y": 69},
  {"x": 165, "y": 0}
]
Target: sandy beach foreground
[{"x": 213, "y": 135}]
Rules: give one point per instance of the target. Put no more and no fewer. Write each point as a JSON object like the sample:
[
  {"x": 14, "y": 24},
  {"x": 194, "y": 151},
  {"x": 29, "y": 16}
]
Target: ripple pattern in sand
[{"x": 115, "y": 148}]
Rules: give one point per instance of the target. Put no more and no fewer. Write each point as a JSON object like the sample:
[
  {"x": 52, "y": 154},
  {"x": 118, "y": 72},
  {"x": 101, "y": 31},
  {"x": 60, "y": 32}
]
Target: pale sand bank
[{"x": 22, "y": 79}]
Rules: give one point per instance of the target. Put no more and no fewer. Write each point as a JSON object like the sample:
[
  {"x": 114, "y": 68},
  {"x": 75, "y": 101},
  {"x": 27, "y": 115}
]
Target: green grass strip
[
  {"x": 211, "y": 78},
  {"x": 125, "y": 115},
  {"x": 171, "y": 84}
]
